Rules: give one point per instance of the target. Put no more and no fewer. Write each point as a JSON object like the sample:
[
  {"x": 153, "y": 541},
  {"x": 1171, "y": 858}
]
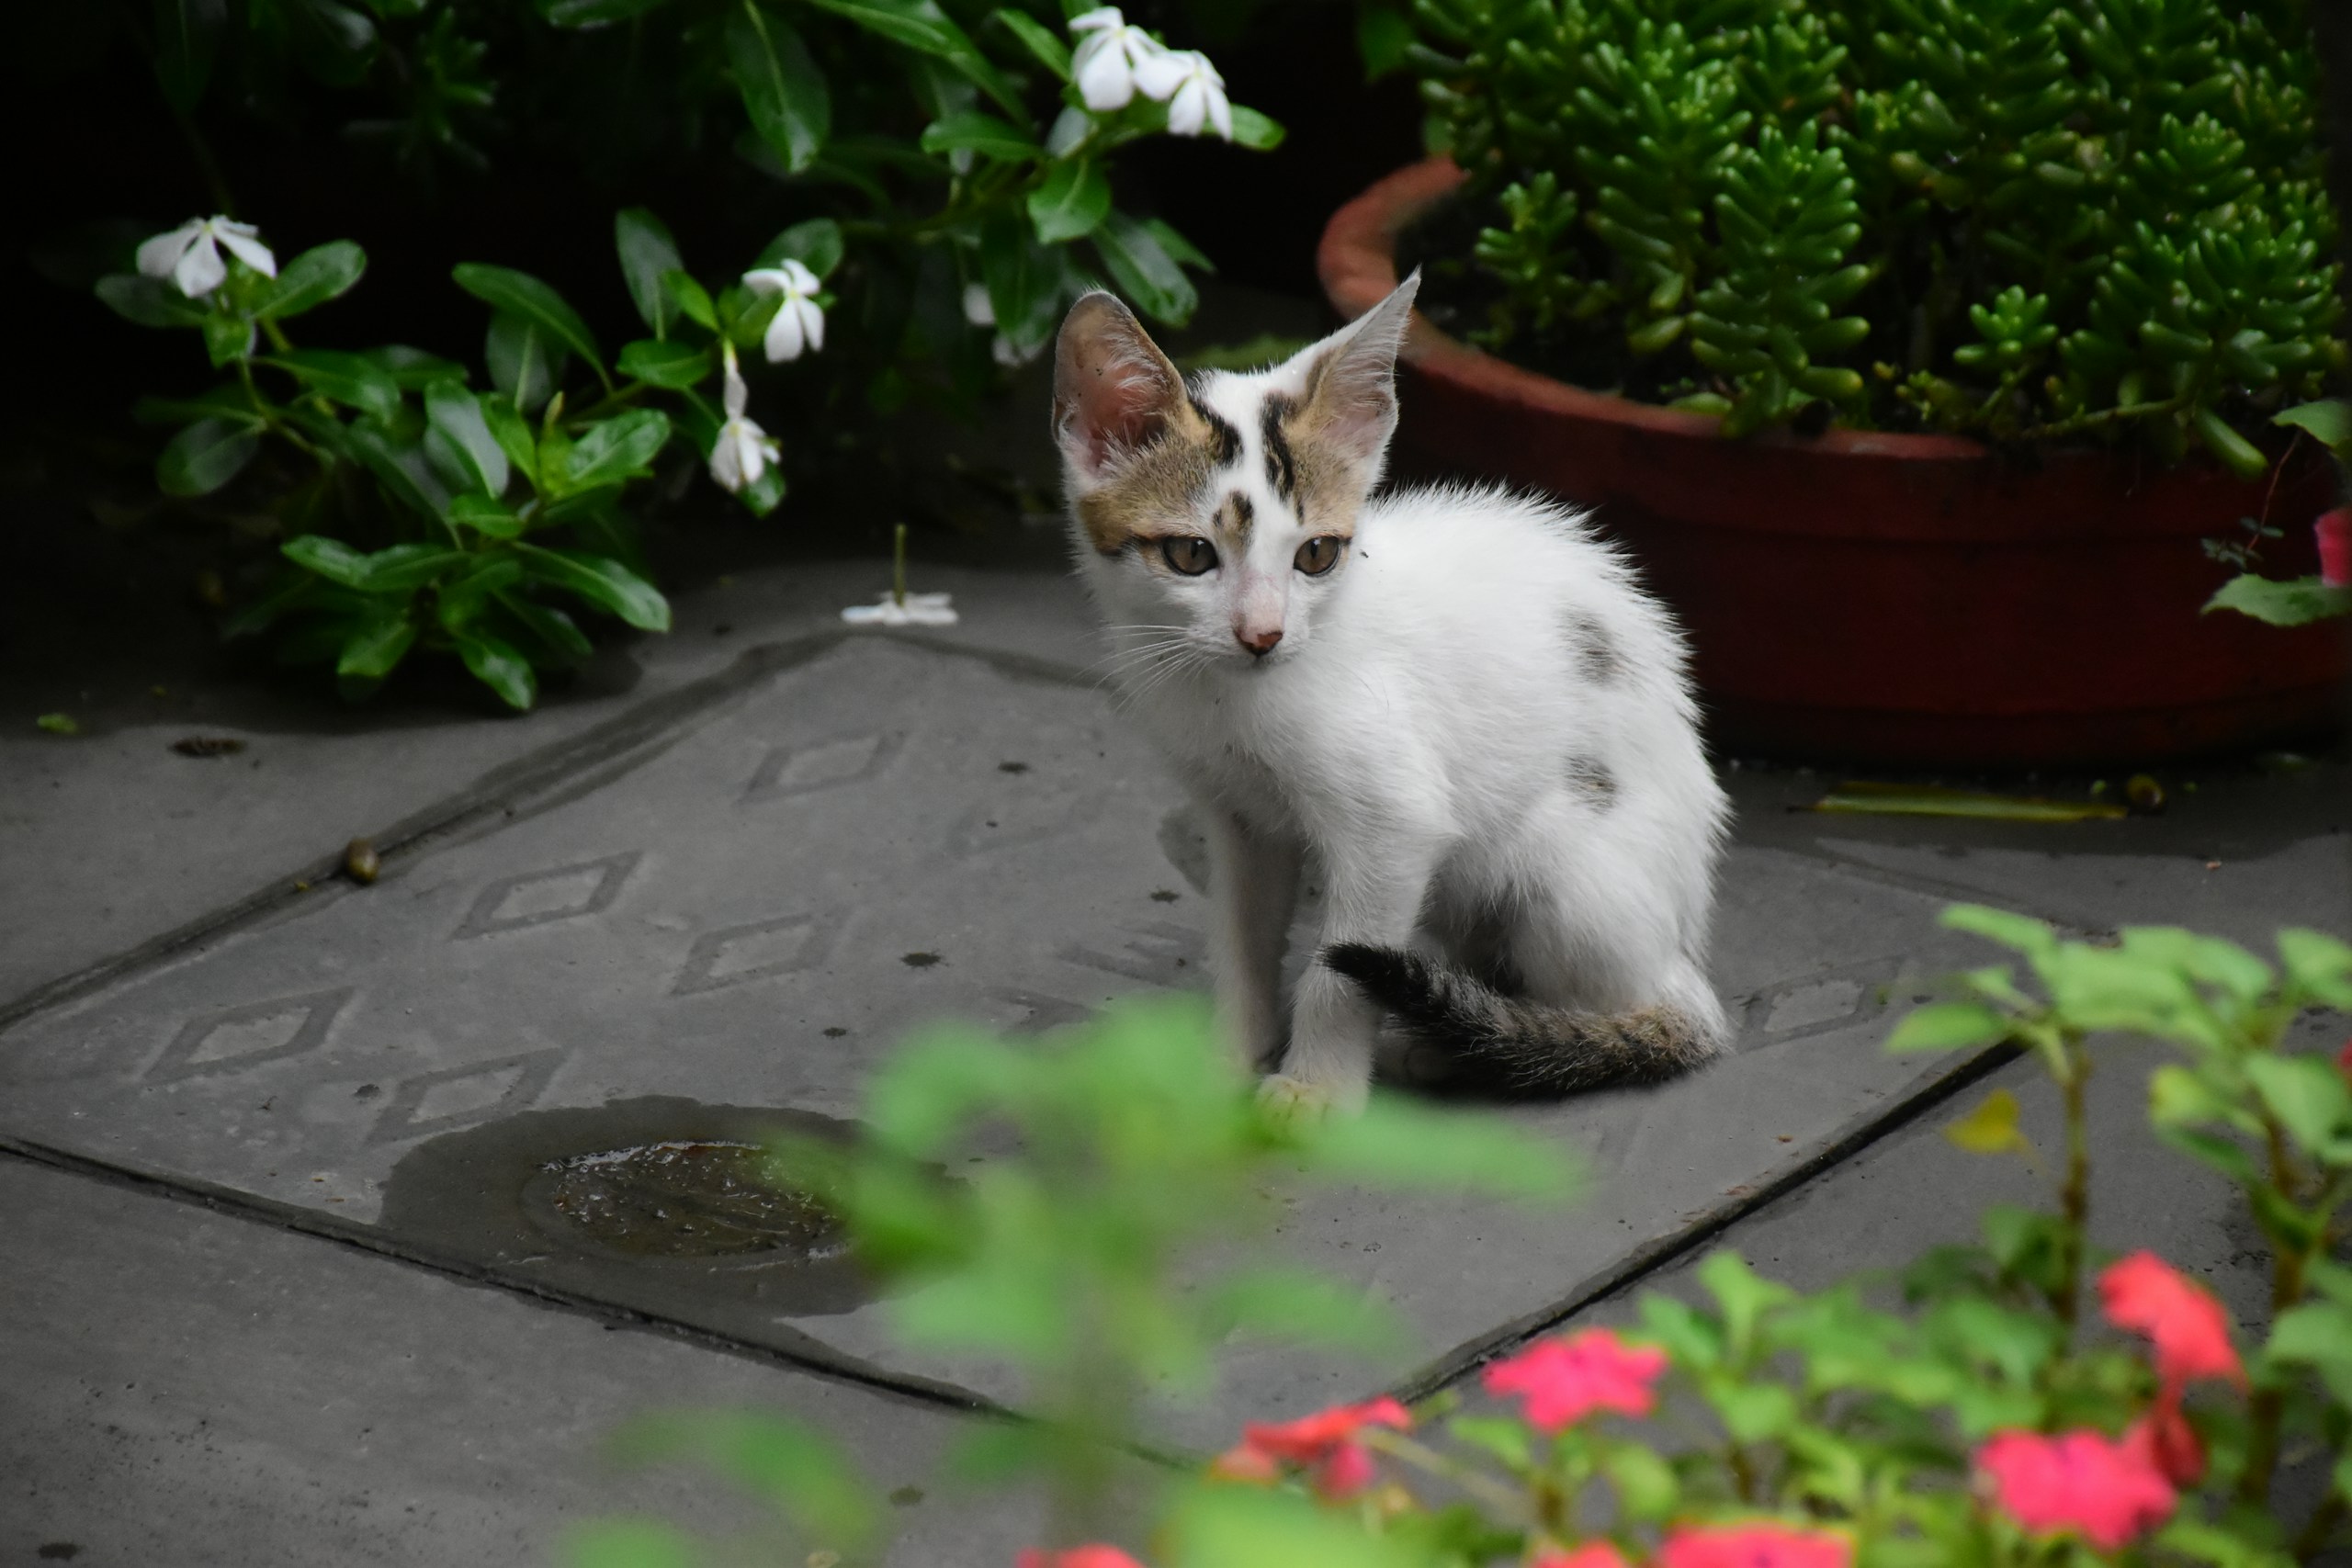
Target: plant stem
[
  {"x": 899, "y": 567},
  {"x": 2318, "y": 1528},
  {"x": 1477, "y": 1483},
  {"x": 2074, "y": 1196},
  {"x": 2267, "y": 1409}
]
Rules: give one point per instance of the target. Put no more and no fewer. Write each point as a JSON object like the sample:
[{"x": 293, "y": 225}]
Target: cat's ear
[
  {"x": 1350, "y": 400},
  {"x": 1115, "y": 392}
]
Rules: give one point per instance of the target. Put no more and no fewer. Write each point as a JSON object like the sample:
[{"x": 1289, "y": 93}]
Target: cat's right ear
[{"x": 1115, "y": 392}]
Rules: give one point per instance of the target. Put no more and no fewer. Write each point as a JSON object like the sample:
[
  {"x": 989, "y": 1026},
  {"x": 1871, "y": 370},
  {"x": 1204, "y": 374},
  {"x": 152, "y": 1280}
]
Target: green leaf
[
  {"x": 148, "y": 301},
  {"x": 921, "y": 25},
  {"x": 1646, "y": 1489},
  {"x": 525, "y": 362},
  {"x": 1146, "y": 274},
  {"x": 412, "y": 369},
  {"x": 2329, "y": 422},
  {"x": 404, "y": 568},
  {"x": 205, "y": 456},
  {"x": 2281, "y": 602},
  {"x": 402, "y": 469},
  {"x": 2241, "y": 457},
  {"x": 496, "y": 664},
  {"x": 692, "y": 298},
  {"x": 485, "y": 515},
  {"x": 458, "y": 440},
  {"x": 331, "y": 559},
  {"x": 783, "y": 92},
  {"x": 559, "y": 632},
  {"x": 628, "y": 1543},
  {"x": 1245, "y": 1527},
  {"x": 1178, "y": 248},
  {"x": 460, "y": 600},
  {"x": 519, "y": 294},
  {"x": 512, "y": 434},
  {"x": 982, "y": 133},
  {"x": 646, "y": 252},
  {"x": 815, "y": 245},
  {"x": 58, "y": 724},
  {"x": 310, "y": 279},
  {"x": 584, "y": 13},
  {"x": 1072, "y": 199},
  {"x": 1049, "y": 51},
  {"x": 1507, "y": 1440},
  {"x": 187, "y": 37},
  {"x": 1400, "y": 1143},
  {"x": 602, "y": 582},
  {"x": 1991, "y": 1128},
  {"x": 1023, "y": 279},
  {"x": 226, "y": 338},
  {"x": 2222, "y": 1154},
  {"x": 671, "y": 365},
  {"x": 2306, "y": 1095},
  {"x": 1948, "y": 1026},
  {"x": 1383, "y": 32},
  {"x": 1300, "y": 1306},
  {"x": 1254, "y": 131},
  {"x": 347, "y": 378},
  {"x": 2319, "y": 965},
  {"x": 617, "y": 449},
  {"x": 375, "y": 648},
  {"x": 796, "y": 1469},
  {"x": 2020, "y": 933}
]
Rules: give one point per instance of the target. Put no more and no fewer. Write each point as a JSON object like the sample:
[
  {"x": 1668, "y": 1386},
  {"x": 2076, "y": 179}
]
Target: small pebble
[{"x": 360, "y": 862}]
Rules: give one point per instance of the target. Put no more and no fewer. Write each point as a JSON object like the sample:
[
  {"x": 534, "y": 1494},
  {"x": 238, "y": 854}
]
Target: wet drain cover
[
  {"x": 659, "y": 1204},
  {"x": 679, "y": 1198}
]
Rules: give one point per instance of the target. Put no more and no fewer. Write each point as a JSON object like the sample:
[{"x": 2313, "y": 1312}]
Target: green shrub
[{"x": 2029, "y": 220}]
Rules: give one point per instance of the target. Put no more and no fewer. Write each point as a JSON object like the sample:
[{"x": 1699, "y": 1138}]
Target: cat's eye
[
  {"x": 1187, "y": 554},
  {"x": 1318, "y": 554}
]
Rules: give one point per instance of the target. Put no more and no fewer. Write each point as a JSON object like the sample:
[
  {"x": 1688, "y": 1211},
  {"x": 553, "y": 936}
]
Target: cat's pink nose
[{"x": 1259, "y": 643}]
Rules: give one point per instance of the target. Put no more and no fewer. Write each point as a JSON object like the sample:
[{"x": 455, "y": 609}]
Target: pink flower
[
  {"x": 2333, "y": 531},
  {"x": 1754, "y": 1546},
  {"x": 2166, "y": 1440},
  {"x": 1566, "y": 1380},
  {"x": 2107, "y": 1491},
  {"x": 1325, "y": 1440},
  {"x": 1591, "y": 1554},
  {"x": 2191, "y": 1333},
  {"x": 1094, "y": 1556}
]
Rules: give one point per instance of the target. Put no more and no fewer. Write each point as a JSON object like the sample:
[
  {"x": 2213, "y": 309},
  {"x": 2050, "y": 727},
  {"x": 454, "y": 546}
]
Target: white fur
[{"x": 1417, "y": 730}]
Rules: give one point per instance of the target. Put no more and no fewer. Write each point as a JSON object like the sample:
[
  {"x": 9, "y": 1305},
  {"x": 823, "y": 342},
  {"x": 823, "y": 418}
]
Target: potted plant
[{"x": 1913, "y": 347}]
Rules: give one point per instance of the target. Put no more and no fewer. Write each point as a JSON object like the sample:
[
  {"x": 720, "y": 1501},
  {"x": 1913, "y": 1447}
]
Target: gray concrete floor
[{"x": 231, "y": 1333}]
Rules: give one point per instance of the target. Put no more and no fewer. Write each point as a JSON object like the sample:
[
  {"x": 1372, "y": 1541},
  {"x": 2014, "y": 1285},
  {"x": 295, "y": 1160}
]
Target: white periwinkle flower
[
  {"x": 1111, "y": 55},
  {"x": 977, "y": 308},
  {"x": 915, "y": 610},
  {"x": 189, "y": 255},
  {"x": 743, "y": 450},
  {"x": 799, "y": 321},
  {"x": 1192, "y": 88}
]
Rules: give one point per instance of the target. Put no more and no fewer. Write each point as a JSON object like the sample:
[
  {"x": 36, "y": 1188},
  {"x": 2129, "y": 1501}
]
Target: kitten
[{"x": 1456, "y": 698}]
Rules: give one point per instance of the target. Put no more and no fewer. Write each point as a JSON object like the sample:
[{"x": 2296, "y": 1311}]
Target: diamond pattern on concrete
[
  {"x": 757, "y": 951},
  {"x": 443, "y": 1101},
  {"x": 544, "y": 897},
  {"x": 233, "y": 1040},
  {"x": 826, "y": 765}
]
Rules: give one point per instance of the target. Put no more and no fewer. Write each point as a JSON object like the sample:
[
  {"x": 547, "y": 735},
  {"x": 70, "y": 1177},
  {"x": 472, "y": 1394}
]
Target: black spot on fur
[
  {"x": 1592, "y": 776},
  {"x": 1282, "y": 468},
  {"x": 1595, "y": 650},
  {"x": 1244, "y": 512},
  {"x": 1512, "y": 1044},
  {"x": 1225, "y": 441}
]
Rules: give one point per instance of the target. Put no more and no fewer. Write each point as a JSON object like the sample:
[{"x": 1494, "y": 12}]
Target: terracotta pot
[{"x": 1897, "y": 598}]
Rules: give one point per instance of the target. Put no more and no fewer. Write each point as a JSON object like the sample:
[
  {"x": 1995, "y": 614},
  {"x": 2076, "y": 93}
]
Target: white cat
[{"x": 1456, "y": 698}]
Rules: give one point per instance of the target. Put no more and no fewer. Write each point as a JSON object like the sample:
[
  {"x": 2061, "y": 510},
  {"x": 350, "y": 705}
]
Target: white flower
[
  {"x": 920, "y": 610},
  {"x": 977, "y": 307},
  {"x": 799, "y": 321},
  {"x": 190, "y": 257},
  {"x": 1192, "y": 88},
  {"x": 1010, "y": 355},
  {"x": 744, "y": 451},
  {"x": 1109, "y": 59}
]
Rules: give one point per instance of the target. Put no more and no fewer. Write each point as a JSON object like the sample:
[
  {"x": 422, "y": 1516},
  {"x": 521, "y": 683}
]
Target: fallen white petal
[{"x": 920, "y": 610}]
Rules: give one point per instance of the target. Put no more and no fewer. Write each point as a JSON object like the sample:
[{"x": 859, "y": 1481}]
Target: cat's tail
[{"x": 1520, "y": 1047}]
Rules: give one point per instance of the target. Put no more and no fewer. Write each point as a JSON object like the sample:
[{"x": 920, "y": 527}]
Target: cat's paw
[{"x": 1295, "y": 1101}]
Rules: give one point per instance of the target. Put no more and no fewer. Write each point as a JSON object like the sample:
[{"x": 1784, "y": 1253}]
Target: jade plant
[
  {"x": 2023, "y": 219},
  {"x": 2024, "y": 1400}
]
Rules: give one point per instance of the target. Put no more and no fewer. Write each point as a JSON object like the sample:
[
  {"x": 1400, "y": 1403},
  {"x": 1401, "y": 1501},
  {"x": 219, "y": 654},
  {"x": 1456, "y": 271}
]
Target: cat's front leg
[
  {"x": 1373, "y": 894},
  {"x": 1253, "y": 886}
]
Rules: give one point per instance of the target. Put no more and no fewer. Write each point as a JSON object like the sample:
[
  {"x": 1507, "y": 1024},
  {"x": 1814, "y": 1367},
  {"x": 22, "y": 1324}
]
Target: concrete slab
[
  {"x": 762, "y": 889},
  {"x": 192, "y": 1388}
]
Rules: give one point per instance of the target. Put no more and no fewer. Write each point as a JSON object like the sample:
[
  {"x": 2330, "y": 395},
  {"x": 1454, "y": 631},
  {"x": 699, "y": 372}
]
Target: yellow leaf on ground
[{"x": 1991, "y": 1128}]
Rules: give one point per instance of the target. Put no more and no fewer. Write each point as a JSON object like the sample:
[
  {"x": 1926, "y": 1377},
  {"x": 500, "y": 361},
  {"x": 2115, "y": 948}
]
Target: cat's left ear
[{"x": 1350, "y": 400}]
